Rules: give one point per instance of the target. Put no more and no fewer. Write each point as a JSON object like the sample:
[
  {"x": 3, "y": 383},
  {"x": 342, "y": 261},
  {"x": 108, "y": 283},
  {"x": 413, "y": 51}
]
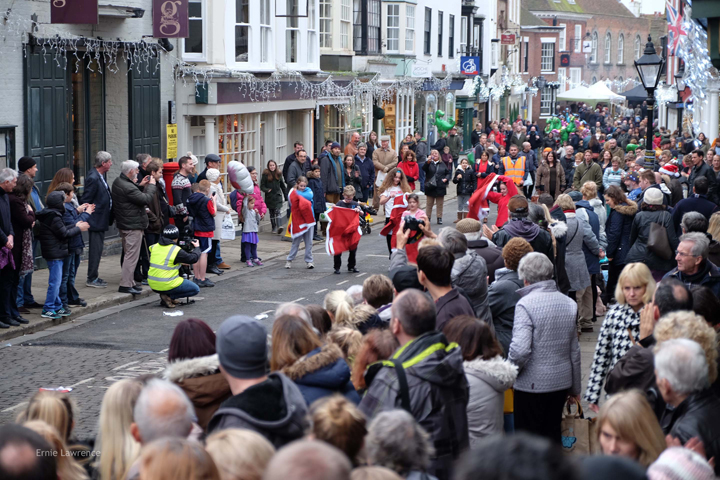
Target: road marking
[
  {"x": 297, "y": 300},
  {"x": 358, "y": 276},
  {"x": 163, "y": 351},
  {"x": 266, "y": 311},
  {"x": 82, "y": 381},
  {"x": 126, "y": 365},
  {"x": 374, "y": 255},
  {"x": 321, "y": 291},
  {"x": 265, "y": 301},
  {"x": 13, "y": 408},
  {"x": 344, "y": 281}
]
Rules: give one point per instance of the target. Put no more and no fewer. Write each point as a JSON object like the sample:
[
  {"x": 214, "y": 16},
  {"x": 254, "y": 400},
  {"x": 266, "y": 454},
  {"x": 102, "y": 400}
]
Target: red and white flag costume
[
  {"x": 343, "y": 230},
  {"x": 397, "y": 213},
  {"x": 479, "y": 208},
  {"x": 302, "y": 214}
]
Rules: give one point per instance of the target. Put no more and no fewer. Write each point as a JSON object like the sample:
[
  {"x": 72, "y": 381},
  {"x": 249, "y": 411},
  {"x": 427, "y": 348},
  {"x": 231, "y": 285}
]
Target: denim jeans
[
  {"x": 68, "y": 292},
  {"x": 52, "y": 299},
  {"x": 184, "y": 290}
]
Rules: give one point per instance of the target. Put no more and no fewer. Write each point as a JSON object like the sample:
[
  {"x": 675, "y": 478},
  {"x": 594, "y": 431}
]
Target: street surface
[{"x": 131, "y": 340}]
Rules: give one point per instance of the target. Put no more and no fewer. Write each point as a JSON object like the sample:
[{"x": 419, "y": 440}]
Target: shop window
[
  {"x": 88, "y": 115},
  {"x": 237, "y": 139},
  {"x": 194, "y": 45}
]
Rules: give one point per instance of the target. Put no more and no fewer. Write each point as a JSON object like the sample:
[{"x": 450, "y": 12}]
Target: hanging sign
[
  {"x": 172, "y": 143},
  {"x": 587, "y": 46},
  {"x": 74, "y": 11},
  {"x": 470, "y": 65},
  {"x": 565, "y": 60},
  {"x": 507, "y": 38},
  {"x": 170, "y": 19}
]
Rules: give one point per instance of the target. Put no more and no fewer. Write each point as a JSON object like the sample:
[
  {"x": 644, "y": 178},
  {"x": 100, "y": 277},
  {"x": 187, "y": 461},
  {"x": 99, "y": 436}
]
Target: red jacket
[
  {"x": 411, "y": 171},
  {"x": 502, "y": 202},
  {"x": 301, "y": 209}
]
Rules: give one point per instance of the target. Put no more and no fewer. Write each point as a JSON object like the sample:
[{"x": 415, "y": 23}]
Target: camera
[
  {"x": 186, "y": 238},
  {"x": 412, "y": 223}
]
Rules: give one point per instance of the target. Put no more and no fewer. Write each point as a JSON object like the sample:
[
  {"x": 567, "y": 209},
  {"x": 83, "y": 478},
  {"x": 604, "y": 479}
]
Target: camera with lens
[
  {"x": 186, "y": 238},
  {"x": 412, "y": 223}
]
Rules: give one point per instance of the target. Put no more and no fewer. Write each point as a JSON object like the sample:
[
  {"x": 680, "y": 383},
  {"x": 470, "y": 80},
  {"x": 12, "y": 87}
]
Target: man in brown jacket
[{"x": 384, "y": 159}]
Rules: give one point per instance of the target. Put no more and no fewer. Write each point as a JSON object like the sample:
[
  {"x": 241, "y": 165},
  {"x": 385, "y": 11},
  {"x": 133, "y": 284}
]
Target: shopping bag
[
  {"x": 528, "y": 181},
  {"x": 579, "y": 434},
  {"x": 380, "y": 178},
  {"x": 228, "y": 228}
]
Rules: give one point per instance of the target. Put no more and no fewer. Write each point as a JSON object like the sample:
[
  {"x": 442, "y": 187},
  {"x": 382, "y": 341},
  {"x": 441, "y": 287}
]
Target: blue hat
[
  {"x": 334, "y": 145},
  {"x": 241, "y": 346}
]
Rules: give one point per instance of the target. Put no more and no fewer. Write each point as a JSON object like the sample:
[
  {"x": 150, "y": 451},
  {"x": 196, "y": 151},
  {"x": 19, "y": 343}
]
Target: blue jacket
[
  {"x": 321, "y": 373},
  {"x": 532, "y": 161},
  {"x": 617, "y": 228},
  {"x": 694, "y": 203},
  {"x": 197, "y": 205},
  {"x": 316, "y": 187},
  {"x": 367, "y": 171},
  {"x": 593, "y": 263},
  {"x": 71, "y": 217}
]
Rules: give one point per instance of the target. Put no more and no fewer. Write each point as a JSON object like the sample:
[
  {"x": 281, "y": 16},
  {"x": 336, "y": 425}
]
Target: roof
[
  {"x": 590, "y": 7},
  {"x": 527, "y": 19}
]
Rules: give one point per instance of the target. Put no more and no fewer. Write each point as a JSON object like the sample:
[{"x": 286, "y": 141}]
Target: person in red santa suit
[{"x": 349, "y": 203}]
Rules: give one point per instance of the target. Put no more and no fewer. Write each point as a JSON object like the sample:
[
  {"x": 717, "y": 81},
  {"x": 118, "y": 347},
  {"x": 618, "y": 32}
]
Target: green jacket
[
  {"x": 455, "y": 144},
  {"x": 583, "y": 174},
  {"x": 275, "y": 191}
]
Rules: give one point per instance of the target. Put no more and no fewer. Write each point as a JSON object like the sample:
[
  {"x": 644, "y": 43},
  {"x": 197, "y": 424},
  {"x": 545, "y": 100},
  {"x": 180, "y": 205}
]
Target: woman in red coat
[
  {"x": 410, "y": 168},
  {"x": 507, "y": 191}
]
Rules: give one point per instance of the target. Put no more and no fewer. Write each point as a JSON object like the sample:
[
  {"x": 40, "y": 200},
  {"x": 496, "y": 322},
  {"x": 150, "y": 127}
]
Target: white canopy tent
[
  {"x": 590, "y": 95},
  {"x": 604, "y": 94}
]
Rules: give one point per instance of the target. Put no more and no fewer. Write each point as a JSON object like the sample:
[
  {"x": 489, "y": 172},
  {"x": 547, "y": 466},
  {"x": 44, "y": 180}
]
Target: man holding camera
[{"x": 166, "y": 258}]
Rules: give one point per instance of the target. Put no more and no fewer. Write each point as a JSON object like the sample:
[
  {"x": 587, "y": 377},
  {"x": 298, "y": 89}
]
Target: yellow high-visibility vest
[
  {"x": 516, "y": 169},
  {"x": 163, "y": 272}
]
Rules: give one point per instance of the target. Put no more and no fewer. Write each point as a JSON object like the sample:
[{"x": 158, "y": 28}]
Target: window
[
  {"x": 451, "y": 37},
  {"x": 237, "y": 138},
  {"x": 358, "y": 8},
  {"x": 547, "y": 59},
  {"x": 608, "y": 46},
  {"x": 578, "y": 38},
  {"x": 194, "y": 44},
  {"x": 638, "y": 50},
  {"x": 562, "y": 78},
  {"x": 594, "y": 48},
  {"x": 428, "y": 29},
  {"x": 292, "y": 33},
  {"x": 366, "y": 26},
  {"x": 440, "y": 34},
  {"x": 463, "y": 35},
  {"x": 393, "y": 28},
  {"x": 345, "y": 13},
  {"x": 526, "y": 54},
  {"x": 325, "y": 23},
  {"x": 312, "y": 32},
  {"x": 594, "y": 80},
  {"x": 265, "y": 31},
  {"x": 546, "y": 101},
  {"x": 621, "y": 49},
  {"x": 575, "y": 74},
  {"x": 409, "y": 28},
  {"x": 494, "y": 54},
  {"x": 374, "y": 26},
  {"x": 563, "y": 35},
  {"x": 242, "y": 30}
]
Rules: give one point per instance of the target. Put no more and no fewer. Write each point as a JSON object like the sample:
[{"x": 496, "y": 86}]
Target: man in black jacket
[
  {"x": 8, "y": 179},
  {"x": 97, "y": 192},
  {"x": 520, "y": 226},
  {"x": 211, "y": 161}
]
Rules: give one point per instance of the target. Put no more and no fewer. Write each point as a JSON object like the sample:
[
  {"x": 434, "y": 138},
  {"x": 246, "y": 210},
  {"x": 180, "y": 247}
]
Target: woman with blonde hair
[
  {"x": 348, "y": 339},
  {"x": 177, "y": 459},
  {"x": 621, "y": 326},
  {"x": 318, "y": 370},
  {"x": 53, "y": 408},
  {"x": 338, "y": 422},
  {"x": 118, "y": 447},
  {"x": 339, "y": 306},
  {"x": 714, "y": 226},
  {"x": 239, "y": 454},
  {"x": 67, "y": 467},
  {"x": 628, "y": 427}
]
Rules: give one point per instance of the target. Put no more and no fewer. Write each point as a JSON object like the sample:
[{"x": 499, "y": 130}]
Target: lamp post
[
  {"x": 680, "y": 85},
  {"x": 649, "y": 67}
]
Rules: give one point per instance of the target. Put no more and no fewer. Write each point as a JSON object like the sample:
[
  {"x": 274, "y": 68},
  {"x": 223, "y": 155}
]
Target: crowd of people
[{"x": 457, "y": 364}]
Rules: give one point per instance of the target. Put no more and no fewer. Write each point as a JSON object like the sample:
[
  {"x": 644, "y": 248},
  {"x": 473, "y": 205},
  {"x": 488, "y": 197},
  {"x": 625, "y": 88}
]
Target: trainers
[
  {"x": 97, "y": 283},
  {"x": 310, "y": 265},
  {"x": 318, "y": 238},
  {"x": 205, "y": 283},
  {"x": 78, "y": 303},
  {"x": 353, "y": 270},
  {"x": 49, "y": 314},
  {"x": 258, "y": 262},
  {"x": 64, "y": 312},
  {"x": 288, "y": 264},
  {"x": 249, "y": 263}
]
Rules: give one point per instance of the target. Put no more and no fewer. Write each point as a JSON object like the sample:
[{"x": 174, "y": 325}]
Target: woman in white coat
[
  {"x": 215, "y": 261},
  {"x": 487, "y": 373}
]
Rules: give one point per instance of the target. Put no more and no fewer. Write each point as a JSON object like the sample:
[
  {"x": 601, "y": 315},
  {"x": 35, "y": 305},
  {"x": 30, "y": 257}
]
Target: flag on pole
[
  {"x": 479, "y": 208},
  {"x": 675, "y": 28},
  {"x": 343, "y": 230}
]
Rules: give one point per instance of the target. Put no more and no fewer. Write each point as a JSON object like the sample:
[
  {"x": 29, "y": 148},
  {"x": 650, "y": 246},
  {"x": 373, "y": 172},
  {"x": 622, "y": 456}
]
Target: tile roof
[
  {"x": 527, "y": 19},
  {"x": 591, "y": 7}
]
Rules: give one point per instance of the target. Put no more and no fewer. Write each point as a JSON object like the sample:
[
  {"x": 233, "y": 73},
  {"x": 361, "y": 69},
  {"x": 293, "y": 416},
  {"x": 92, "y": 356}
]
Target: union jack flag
[{"x": 675, "y": 29}]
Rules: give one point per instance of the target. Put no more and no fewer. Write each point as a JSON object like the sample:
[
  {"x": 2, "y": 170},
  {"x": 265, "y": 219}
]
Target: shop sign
[
  {"x": 507, "y": 38},
  {"x": 170, "y": 19},
  {"x": 74, "y": 11},
  {"x": 470, "y": 65}
]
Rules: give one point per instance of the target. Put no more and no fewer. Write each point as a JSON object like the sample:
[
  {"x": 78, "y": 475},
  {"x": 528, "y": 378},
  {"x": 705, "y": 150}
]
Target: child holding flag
[
  {"x": 344, "y": 230},
  {"x": 303, "y": 221}
]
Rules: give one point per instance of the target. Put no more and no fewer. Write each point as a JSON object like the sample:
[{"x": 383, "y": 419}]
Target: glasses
[{"x": 683, "y": 254}]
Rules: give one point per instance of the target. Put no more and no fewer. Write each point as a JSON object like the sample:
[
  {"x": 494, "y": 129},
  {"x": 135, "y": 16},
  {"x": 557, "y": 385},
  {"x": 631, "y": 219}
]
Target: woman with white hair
[
  {"x": 545, "y": 348},
  {"x": 215, "y": 261}
]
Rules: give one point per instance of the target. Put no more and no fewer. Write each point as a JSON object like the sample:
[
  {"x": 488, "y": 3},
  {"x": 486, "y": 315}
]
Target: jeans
[
  {"x": 214, "y": 257},
  {"x": 68, "y": 292},
  {"x": 422, "y": 176},
  {"x": 52, "y": 299},
  {"x": 95, "y": 250},
  {"x": 184, "y": 290},
  {"x": 307, "y": 238},
  {"x": 250, "y": 251}
]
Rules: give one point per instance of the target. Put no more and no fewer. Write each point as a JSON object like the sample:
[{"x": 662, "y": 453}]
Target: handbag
[
  {"x": 228, "y": 228},
  {"x": 579, "y": 434},
  {"x": 658, "y": 242}
]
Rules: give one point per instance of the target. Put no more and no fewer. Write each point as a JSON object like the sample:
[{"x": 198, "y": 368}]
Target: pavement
[{"x": 131, "y": 338}]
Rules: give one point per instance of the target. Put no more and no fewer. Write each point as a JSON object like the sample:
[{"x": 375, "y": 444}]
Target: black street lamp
[
  {"x": 540, "y": 82},
  {"x": 649, "y": 67},
  {"x": 680, "y": 85}
]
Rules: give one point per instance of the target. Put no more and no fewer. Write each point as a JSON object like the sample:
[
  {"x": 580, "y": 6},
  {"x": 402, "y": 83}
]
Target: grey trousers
[
  {"x": 132, "y": 243},
  {"x": 307, "y": 237}
]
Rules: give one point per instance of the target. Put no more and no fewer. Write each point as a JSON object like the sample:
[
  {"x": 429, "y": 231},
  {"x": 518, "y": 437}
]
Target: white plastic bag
[
  {"x": 228, "y": 228},
  {"x": 380, "y": 178},
  {"x": 528, "y": 181}
]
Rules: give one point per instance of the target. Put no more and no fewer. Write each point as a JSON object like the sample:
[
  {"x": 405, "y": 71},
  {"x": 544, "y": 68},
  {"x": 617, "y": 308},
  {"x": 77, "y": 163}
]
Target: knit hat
[
  {"x": 547, "y": 149},
  {"x": 517, "y": 203},
  {"x": 334, "y": 145},
  {"x": 653, "y": 196},
  {"x": 575, "y": 195},
  {"x": 211, "y": 157},
  {"x": 677, "y": 463},
  {"x": 633, "y": 176},
  {"x": 404, "y": 278},
  {"x": 193, "y": 159},
  {"x": 212, "y": 174},
  {"x": 468, "y": 225},
  {"x": 241, "y": 346},
  {"x": 25, "y": 163}
]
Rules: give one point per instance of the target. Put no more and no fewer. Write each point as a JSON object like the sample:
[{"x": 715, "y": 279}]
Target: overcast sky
[{"x": 648, "y": 6}]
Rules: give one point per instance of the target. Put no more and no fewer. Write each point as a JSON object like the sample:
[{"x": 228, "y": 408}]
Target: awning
[{"x": 432, "y": 85}]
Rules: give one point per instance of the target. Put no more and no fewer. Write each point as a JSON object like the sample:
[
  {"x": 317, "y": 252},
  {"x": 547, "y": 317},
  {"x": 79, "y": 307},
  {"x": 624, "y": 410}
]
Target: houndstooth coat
[{"x": 613, "y": 343}]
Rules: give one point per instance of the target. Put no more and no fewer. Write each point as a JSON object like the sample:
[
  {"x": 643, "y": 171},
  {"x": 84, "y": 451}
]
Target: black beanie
[{"x": 25, "y": 163}]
